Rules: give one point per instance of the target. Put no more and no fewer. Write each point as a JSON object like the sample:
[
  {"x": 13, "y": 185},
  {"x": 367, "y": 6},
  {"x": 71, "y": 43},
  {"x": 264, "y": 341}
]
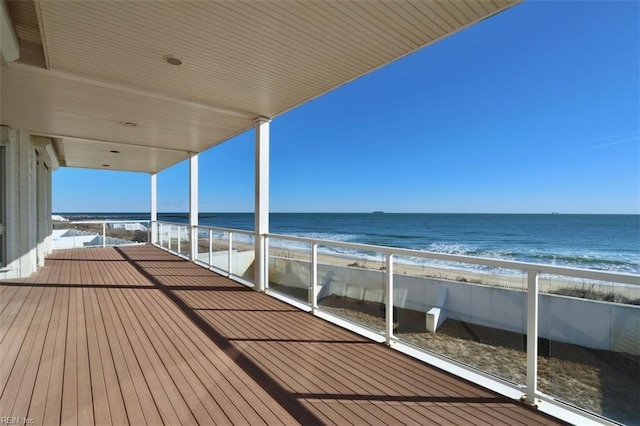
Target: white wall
[
  {"x": 240, "y": 261},
  {"x": 28, "y": 205},
  {"x": 588, "y": 323},
  {"x": 62, "y": 240}
]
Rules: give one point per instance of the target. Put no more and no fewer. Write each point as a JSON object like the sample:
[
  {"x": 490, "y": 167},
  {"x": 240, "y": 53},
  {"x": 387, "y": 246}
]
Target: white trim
[
  {"x": 351, "y": 326},
  {"x": 3, "y": 201},
  {"x": 44, "y": 146},
  {"x": 288, "y": 300},
  {"x": 509, "y": 390},
  {"x": 569, "y": 413},
  {"x": 43, "y": 38}
]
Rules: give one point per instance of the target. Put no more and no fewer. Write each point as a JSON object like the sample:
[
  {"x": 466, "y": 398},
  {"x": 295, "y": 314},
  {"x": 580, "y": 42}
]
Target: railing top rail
[
  {"x": 105, "y": 221},
  {"x": 506, "y": 264},
  {"x": 217, "y": 228},
  {"x": 164, "y": 222}
]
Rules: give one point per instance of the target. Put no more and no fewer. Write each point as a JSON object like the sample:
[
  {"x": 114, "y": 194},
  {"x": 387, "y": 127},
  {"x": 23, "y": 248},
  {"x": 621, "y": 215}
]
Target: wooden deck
[{"x": 136, "y": 335}]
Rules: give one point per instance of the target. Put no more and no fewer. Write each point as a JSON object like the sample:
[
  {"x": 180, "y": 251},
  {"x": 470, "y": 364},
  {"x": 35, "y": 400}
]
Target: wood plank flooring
[{"x": 134, "y": 335}]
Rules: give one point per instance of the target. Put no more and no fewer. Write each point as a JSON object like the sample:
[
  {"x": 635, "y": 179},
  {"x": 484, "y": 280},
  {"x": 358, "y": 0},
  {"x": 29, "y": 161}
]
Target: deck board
[{"x": 135, "y": 335}]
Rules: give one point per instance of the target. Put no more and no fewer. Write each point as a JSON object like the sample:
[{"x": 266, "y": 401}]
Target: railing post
[
  {"x": 210, "y": 247},
  {"x": 389, "y": 300},
  {"x": 193, "y": 243},
  {"x": 264, "y": 243},
  {"x": 169, "y": 235},
  {"x": 104, "y": 234},
  {"x": 313, "y": 295},
  {"x": 179, "y": 237},
  {"x": 153, "y": 224},
  {"x": 532, "y": 338},
  {"x": 229, "y": 253}
]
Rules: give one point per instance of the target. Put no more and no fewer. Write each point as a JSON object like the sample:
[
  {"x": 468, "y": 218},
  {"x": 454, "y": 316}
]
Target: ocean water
[{"x": 601, "y": 242}]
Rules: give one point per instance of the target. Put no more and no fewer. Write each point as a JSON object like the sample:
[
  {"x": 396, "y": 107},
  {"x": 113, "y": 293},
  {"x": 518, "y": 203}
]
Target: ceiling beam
[
  {"x": 9, "y": 47},
  {"x": 135, "y": 91},
  {"x": 95, "y": 141}
]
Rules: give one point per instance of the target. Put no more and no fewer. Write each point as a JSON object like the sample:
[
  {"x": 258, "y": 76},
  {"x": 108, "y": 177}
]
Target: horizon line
[{"x": 344, "y": 212}]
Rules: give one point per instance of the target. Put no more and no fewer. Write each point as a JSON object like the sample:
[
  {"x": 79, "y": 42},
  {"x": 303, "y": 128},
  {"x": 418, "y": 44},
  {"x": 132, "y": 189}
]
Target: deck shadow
[{"x": 286, "y": 400}]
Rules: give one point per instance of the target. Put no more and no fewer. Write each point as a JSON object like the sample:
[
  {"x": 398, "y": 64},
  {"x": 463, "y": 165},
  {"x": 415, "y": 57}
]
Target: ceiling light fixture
[
  {"x": 105, "y": 165},
  {"x": 130, "y": 124},
  {"x": 113, "y": 151},
  {"x": 173, "y": 60}
]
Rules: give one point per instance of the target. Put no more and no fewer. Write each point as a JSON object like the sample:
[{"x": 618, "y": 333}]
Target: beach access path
[{"x": 136, "y": 335}]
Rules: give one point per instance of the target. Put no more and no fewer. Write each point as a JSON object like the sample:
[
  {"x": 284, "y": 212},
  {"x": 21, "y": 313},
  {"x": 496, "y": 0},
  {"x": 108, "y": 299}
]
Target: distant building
[{"x": 129, "y": 226}]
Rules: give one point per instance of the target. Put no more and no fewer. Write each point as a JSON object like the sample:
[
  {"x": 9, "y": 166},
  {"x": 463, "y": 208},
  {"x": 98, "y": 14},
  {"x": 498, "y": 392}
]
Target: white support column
[
  {"x": 20, "y": 221},
  {"x": 193, "y": 206},
  {"x": 154, "y": 209},
  {"x": 41, "y": 208},
  {"x": 261, "y": 206},
  {"x": 49, "y": 225},
  {"x": 27, "y": 204}
]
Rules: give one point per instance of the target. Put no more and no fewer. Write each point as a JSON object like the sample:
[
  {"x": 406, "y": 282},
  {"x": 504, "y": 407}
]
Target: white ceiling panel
[
  {"x": 115, "y": 156},
  {"x": 240, "y": 61},
  {"x": 59, "y": 105}
]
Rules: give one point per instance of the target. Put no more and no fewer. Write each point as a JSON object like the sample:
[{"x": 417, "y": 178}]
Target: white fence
[{"x": 78, "y": 234}]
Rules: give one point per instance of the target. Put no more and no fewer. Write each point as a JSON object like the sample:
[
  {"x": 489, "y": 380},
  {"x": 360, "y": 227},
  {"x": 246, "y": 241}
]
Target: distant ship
[
  {"x": 378, "y": 212},
  {"x": 555, "y": 213}
]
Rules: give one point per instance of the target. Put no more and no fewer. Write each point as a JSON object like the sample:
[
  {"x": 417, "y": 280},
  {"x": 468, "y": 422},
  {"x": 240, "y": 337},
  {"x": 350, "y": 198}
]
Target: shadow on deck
[{"x": 136, "y": 335}]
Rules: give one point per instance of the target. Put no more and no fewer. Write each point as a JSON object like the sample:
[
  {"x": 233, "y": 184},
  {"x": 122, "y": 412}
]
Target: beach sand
[{"x": 547, "y": 284}]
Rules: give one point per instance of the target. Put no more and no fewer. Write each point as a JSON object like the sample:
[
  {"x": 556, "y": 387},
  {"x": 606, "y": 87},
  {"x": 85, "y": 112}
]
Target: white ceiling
[{"x": 105, "y": 66}]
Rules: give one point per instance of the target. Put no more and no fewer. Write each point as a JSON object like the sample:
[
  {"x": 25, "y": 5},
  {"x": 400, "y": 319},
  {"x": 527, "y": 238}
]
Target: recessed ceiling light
[
  {"x": 130, "y": 124},
  {"x": 173, "y": 60},
  {"x": 113, "y": 151},
  {"x": 105, "y": 165}
]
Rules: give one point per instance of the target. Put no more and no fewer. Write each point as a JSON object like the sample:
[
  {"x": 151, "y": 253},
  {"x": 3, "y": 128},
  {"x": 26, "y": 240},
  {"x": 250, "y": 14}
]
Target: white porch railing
[
  {"x": 100, "y": 233},
  {"x": 506, "y": 306}
]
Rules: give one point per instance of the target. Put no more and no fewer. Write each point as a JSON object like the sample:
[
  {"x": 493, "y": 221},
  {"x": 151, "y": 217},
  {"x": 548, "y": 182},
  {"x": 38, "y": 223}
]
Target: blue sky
[{"x": 534, "y": 110}]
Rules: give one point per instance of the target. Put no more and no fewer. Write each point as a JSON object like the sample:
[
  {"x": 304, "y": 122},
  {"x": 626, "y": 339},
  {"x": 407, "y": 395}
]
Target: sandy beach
[{"x": 518, "y": 282}]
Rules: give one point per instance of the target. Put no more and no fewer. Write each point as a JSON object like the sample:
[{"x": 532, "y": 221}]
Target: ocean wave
[
  {"x": 626, "y": 264},
  {"x": 327, "y": 236},
  {"x": 464, "y": 250},
  {"x": 576, "y": 259},
  {"x": 302, "y": 246},
  {"x": 597, "y": 261},
  {"x": 586, "y": 261}
]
